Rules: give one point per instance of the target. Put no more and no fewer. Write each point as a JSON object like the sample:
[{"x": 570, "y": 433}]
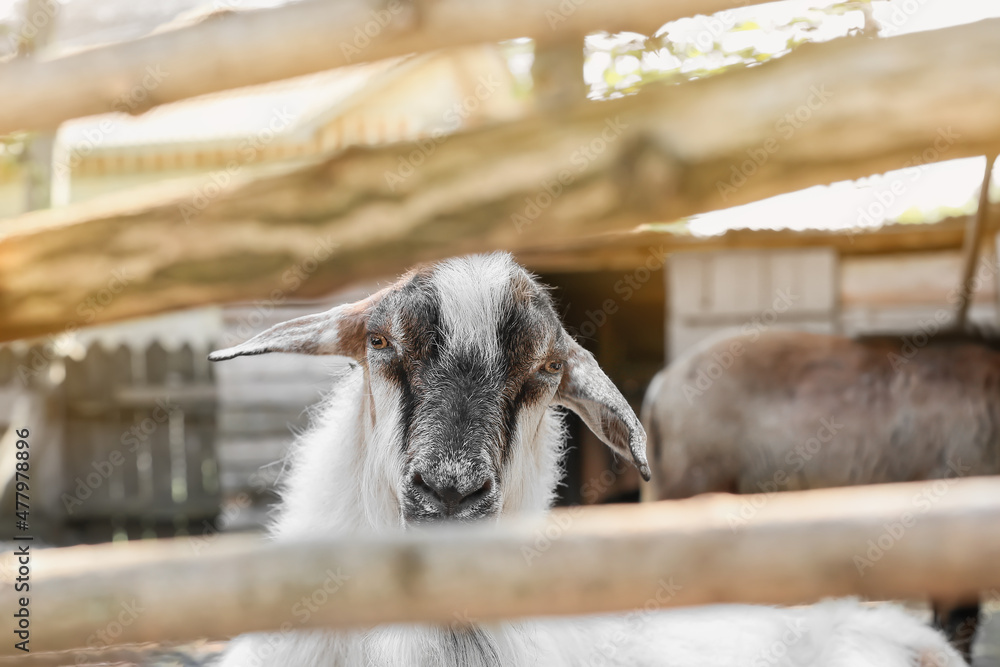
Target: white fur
[
  {"x": 341, "y": 482},
  {"x": 345, "y": 479},
  {"x": 472, "y": 291}
]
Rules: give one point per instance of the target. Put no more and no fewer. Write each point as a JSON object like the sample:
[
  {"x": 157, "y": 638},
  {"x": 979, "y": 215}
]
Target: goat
[
  {"x": 451, "y": 413},
  {"x": 790, "y": 410}
]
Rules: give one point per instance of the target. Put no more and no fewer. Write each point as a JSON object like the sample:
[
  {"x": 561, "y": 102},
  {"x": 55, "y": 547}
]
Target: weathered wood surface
[
  {"x": 148, "y": 655},
  {"x": 625, "y": 251},
  {"x": 664, "y": 154},
  {"x": 234, "y": 49},
  {"x": 891, "y": 541},
  {"x": 140, "y": 436},
  {"x": 978, "y": 224}
]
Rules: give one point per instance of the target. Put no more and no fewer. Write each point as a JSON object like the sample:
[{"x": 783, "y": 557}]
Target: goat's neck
[
  {"x": 344, "y": 471},
  {"x": 342, "y": 481}
]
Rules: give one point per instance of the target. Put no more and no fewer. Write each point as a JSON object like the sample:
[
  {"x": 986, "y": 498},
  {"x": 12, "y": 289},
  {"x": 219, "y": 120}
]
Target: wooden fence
[
  {"x": 135, "y": 432},
  {"x": 792, "y": 548},
  {"x": 144, "y": 421}
]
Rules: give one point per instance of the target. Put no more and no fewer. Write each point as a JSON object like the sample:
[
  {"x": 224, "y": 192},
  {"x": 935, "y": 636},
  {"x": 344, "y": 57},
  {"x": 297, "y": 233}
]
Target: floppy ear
[
  {"x": 591, "y": 394},
  {"x": 339, "y": 331}
]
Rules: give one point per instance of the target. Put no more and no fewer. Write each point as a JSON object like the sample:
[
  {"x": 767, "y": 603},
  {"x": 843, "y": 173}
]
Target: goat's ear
[
  {"x": 339, "y": 331},
  {"x": 591, "y": 394}
]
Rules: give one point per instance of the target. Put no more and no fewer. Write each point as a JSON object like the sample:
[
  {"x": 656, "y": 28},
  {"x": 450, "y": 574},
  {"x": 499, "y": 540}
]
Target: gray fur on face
[{"x": 476, "y": 354}]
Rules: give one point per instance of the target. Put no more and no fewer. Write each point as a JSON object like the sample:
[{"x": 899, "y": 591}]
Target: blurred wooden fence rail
[
  {"x": 663, "y": 154},
  {"x": 234, "y": 49},
  {"x": 893, "y": 541}
]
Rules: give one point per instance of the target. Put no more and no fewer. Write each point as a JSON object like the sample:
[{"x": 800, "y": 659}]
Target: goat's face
[{"x": 462, "y": 360}]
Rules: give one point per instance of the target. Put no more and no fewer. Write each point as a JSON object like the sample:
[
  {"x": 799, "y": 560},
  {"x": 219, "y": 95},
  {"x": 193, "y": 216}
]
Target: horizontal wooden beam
[
  {"x": 881, "y": 542},
  {"x": 233, "y": 49},
  {"x": 819, "y": 115},
  {"x": 621, "y": 251}
]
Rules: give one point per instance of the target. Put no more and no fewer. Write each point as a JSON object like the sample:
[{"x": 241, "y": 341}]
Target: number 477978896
[{"x": 21, "y": 479}]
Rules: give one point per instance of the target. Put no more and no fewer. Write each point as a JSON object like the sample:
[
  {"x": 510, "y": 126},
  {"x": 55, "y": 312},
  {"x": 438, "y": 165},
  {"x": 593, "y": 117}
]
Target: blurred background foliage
[{"x": 703, "y": 46}]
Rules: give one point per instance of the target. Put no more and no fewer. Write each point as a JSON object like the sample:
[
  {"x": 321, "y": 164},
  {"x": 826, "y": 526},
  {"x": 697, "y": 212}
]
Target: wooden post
[
  {"x": 557, "y": 76},
  {"x": 935, "y": 539},
  {"x": 970, "y": 250},
  {"x": 40, "y": 16}
]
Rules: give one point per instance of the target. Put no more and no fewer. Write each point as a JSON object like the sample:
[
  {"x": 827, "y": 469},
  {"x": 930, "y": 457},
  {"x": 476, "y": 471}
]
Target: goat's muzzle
[{"x": 431, "y": 498}]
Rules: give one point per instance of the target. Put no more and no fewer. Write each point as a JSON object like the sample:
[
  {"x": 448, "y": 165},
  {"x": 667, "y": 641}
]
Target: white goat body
[{"x": 345, "y": 479}]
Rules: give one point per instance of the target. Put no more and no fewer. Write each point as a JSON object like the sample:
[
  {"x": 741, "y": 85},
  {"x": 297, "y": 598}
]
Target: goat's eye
[
  {"x": 553, "y": 367},
  {"x": 378, "y": 342}
]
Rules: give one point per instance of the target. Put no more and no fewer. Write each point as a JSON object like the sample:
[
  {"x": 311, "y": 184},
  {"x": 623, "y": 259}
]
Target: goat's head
[{"x": 462, "y": 360}]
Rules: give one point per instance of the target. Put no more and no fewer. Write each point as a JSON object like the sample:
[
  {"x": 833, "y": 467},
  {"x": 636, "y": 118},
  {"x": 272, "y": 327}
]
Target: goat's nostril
[
  {"x": 479, "y": 493},
  {"x": 449, "y": 497},
  {"x": 418, "y": 482},
  {"x": 446, "y": 495}
]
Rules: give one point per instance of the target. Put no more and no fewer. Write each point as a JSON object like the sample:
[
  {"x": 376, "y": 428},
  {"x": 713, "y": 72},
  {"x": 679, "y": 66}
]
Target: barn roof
[
  {"x": 228, "y": 116},
  {"x": 915, "y": 195}
]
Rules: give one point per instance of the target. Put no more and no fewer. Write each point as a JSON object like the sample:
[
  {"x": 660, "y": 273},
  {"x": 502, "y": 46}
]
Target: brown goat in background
[{"x": 788, "y": 410}]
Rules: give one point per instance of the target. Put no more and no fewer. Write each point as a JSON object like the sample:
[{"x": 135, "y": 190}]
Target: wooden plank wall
[
  {"x": 139, "y": 443},
  {"x": 732, "y": 290},
  {"x": 894, "y": 293},
  {"x": 912, "y": 291}
]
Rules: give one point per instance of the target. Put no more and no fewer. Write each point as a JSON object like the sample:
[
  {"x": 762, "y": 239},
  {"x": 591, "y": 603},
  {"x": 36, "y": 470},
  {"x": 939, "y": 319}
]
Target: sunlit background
[{"x": 146, "y": 439}]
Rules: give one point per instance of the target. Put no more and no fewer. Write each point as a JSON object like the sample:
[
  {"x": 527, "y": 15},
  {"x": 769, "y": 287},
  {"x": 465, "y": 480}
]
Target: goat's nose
[{"x": 448, "y": 497}]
